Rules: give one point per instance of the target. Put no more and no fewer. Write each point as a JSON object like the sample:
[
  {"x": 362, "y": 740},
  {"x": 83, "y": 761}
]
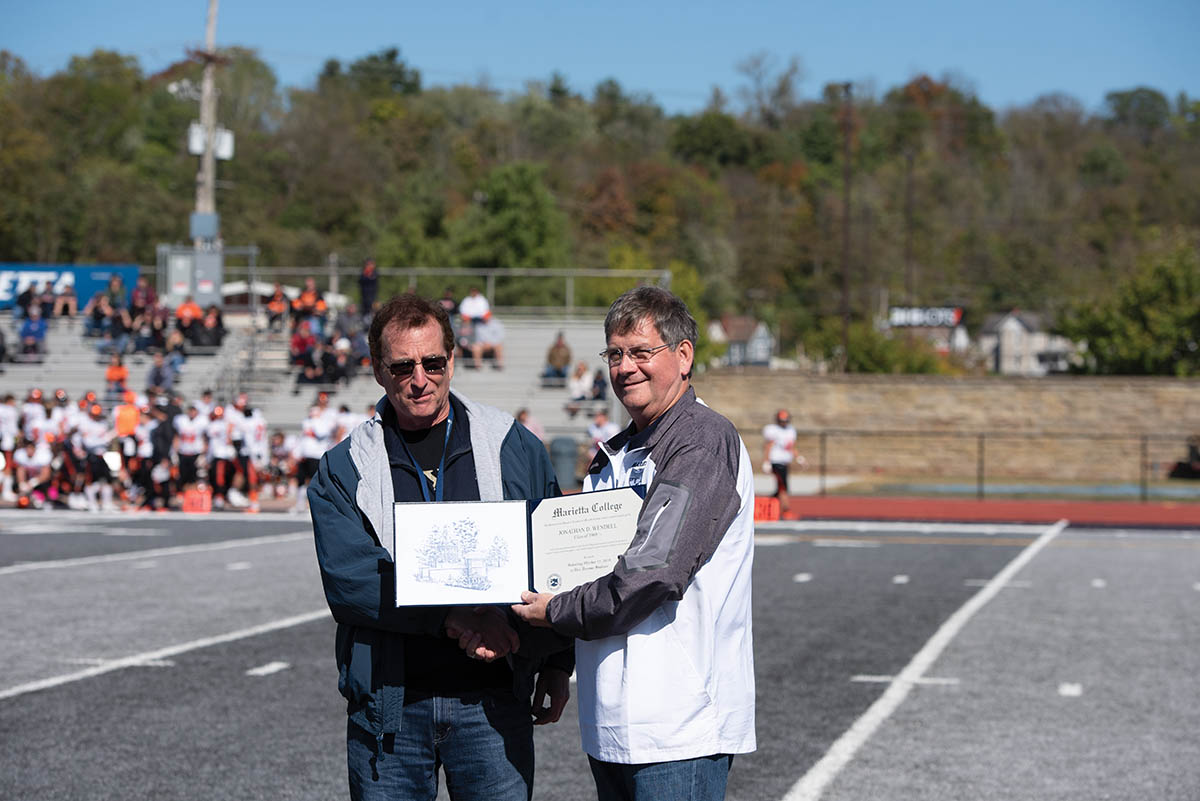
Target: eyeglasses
[
  {"x": 432, "y": 365},
  {"x": 614, "y": 356}
]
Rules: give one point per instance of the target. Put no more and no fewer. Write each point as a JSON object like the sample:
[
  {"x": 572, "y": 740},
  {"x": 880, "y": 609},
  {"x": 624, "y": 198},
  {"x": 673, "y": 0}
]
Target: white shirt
[
  {"x": 191, "y": 434},
  {"x": 250, "y": 430},
  {"x": 783, "y": 442},
  {"x": 346, "y": 421},
  {"x": 94, "y": 435},
  {"x": 316, "y": 437},
  {"x": 474, "y": 306},
  {"x": 34, "y": 462},
  {"x": 34, "y": 414},
  {"x": 220, "y": 444},
  {"x": 8, "y": 426}
]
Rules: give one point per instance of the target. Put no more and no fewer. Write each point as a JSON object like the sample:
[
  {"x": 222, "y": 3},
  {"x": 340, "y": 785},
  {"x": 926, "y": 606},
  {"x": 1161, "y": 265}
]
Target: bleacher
[
  {"x": 272, "y": 381},
  {"x": 71, "y": 362}
]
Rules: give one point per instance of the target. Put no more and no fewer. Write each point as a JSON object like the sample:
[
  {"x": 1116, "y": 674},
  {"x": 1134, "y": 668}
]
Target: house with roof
[
  {"x": 1020, "y": 343},
  {"x": 749, "y": 340}
]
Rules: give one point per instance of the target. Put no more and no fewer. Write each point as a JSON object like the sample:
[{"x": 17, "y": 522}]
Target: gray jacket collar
[{"x": 368, "y": 454}]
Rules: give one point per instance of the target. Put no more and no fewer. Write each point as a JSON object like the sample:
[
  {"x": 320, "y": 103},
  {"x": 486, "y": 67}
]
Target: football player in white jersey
[
  {"x": 221, "y": 455},
  {"x": 249, "y": 432},
  {"x": 9, "y": 428},
  {"x": 316, "y": 437},
  {"x": 95, "y": 435},
  {"x": 191, "y": 441}
]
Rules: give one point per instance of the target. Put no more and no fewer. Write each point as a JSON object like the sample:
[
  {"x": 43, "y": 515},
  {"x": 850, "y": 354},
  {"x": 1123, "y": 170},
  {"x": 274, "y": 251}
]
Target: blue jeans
[
  {"x": 699, "y": 779},
  {"x": 483, "y": 741}
]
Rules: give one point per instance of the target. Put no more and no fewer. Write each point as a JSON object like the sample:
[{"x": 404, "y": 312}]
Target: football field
[{"x": 191, "y": 657}]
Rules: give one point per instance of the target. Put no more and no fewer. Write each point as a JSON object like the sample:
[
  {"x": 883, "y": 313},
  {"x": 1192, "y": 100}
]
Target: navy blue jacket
[{"x": 351, "y": 500}]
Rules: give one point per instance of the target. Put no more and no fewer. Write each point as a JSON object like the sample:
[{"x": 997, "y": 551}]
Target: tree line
[{"x": 1047, "y": 207}]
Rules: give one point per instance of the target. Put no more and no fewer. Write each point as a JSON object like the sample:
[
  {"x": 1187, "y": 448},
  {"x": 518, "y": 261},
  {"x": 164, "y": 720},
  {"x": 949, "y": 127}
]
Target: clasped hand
[{"x": 482, "y": 632}]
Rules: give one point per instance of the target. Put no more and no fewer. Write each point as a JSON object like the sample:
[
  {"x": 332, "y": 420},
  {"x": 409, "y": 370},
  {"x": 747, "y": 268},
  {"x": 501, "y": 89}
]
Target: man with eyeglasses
[
  {"x": 431, "y": 686},
  {"x": 664, "y": 656}
]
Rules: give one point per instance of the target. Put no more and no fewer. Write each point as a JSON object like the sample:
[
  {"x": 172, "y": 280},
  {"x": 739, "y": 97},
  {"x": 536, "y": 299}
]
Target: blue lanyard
[{"x": 441, "y": 477}]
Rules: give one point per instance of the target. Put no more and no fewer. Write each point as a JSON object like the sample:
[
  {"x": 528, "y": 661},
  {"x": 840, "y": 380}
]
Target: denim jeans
[
  {"x": 482, "y": 741},
  {"x": 699, "y": 779}
]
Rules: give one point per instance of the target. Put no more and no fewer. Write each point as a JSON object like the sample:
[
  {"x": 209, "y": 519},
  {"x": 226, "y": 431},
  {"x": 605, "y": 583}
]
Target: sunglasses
[{"x": 432, "y": 365}]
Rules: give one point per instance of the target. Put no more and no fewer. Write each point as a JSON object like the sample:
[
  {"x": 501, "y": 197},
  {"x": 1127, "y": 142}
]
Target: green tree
[
  {"x": 513, "y": 223},
  {"x": 1142, "y": 110},
  {"x": 1150, "y": 326},
  {"x": 714, "y": 138}
]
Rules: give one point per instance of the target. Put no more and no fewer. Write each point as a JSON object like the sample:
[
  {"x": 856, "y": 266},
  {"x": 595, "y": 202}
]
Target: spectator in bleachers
[
  {"x": 187, "y": 315},
  {"x": 488, "y": 342},
  {"x": 210, "y": 333},
  {"x": 341, "y": 368},
  {"x": 33, "y": 335},
  {"x": 277, "y": 308},
  {"x": 316, "y": 367},
  {"x": 65, "y": 302},
  {"x": 116, "y": 292},
  {"x": 579, "y": 388},
  {"x": 601, "y": 429},
  {"x": 24, "y": 300},
  {"x": 160, "y": 377},
  {"x": 474, "y": 308},
  {"x": 599, "y": 385},
  {"x": 117, "y": 331},
  {"x": 45, "y": 300},
  {"x": 95, "y": 315},
  {"x": 115, "y": 377},
  {"x": 558, "y": 359},
  {"x": 3, "y": 350},
  {"x": 143, "y": 297},
  {"x": 351, "y": 325},
  {"x": 310, "y": 305},
  {"x": 368, "y": 288},
  {"x": 150, "y": 327},
  {"x": 175, "y": 350},
  {"x": 302, "y": 342},
  {"x": 447, "y": 302}
]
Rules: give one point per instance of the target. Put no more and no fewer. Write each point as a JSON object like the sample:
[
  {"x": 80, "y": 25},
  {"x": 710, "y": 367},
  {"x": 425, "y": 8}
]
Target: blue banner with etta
[{"x": 87, "y": 279}]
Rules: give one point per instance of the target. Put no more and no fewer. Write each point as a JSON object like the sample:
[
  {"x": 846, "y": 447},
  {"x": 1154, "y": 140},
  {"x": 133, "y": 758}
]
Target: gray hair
[{"x": 667, "y": 312}]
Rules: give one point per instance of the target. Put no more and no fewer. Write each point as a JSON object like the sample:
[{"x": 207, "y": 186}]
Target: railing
[
  {"x": 1000, "y": 462},
  {"x": 507, "y": 289}
]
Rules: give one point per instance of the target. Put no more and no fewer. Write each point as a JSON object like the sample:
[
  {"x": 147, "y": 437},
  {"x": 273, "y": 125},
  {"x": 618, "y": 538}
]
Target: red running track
[{"x": 1107, "y": 513}]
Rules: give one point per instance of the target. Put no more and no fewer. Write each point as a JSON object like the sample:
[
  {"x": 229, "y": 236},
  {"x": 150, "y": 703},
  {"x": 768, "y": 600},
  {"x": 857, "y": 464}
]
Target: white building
[{"x": 1018, "y": 343}]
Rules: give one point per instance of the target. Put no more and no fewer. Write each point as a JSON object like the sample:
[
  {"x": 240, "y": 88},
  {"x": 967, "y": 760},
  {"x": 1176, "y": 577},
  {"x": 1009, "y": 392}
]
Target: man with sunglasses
[
  {"x": 434, "y": 685},
  {"x": 664, "y": 657}
]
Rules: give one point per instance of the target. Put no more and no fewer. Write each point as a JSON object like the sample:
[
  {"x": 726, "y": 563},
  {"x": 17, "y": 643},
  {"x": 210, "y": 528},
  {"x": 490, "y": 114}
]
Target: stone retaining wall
[{"x": 1070, "y": 428}]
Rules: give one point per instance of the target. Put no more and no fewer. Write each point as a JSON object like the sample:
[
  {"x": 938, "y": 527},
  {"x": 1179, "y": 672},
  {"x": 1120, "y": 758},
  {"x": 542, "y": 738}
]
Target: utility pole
[
  {"x": 206, "y": 179},
  {"x": 847, "y": 130}
]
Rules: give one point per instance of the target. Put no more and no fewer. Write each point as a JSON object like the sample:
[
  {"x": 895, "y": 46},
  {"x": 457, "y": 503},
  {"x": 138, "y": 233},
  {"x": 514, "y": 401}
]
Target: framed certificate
[{"x": 488, "y": 552}]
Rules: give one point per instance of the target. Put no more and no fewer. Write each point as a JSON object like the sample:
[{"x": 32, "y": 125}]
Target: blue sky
[{"x": 1009, "y": 53}]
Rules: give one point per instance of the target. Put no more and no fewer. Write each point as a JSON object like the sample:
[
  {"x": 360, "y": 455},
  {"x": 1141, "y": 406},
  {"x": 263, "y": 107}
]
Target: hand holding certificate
[{"x": 476, "y": 552}]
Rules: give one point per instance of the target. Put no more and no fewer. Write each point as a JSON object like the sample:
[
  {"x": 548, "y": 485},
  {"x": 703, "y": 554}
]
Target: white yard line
[
  {"x": 813, "y": 784},
  {"x": 162, "y": 653},
  {"x": 25, "y": 567}
]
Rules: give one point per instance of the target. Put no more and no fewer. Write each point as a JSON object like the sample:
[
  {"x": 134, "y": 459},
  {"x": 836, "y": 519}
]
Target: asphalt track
[{"x": 174, "y": 657}]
